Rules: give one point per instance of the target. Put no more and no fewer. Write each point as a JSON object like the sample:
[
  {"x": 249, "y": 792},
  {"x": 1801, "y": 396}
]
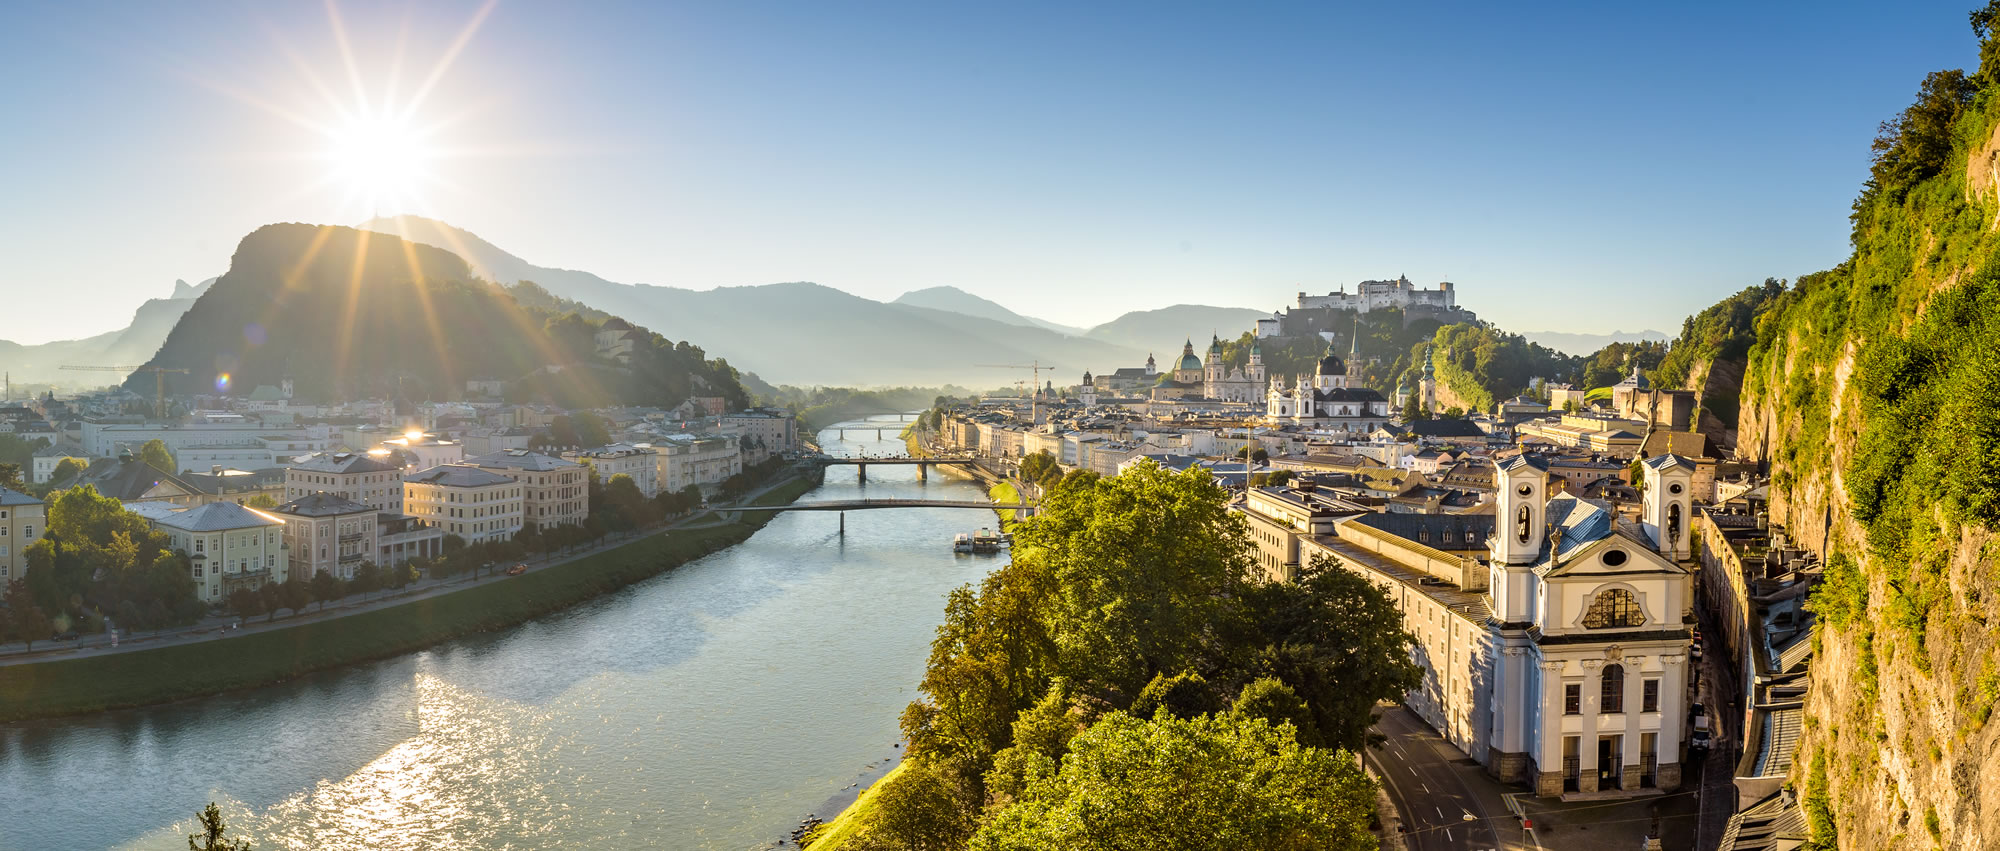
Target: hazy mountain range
[
  {"x": 792, "y": 333},
  {"x": 1586, "y": 344},
  {"x": 129, "y": 346},
  {"x": 806, "y": 333}
]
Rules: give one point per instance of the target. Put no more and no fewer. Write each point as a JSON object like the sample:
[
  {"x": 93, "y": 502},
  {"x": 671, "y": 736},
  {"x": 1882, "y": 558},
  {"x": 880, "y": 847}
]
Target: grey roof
[
  {"x": 1516, "y": 462},
  {"x": 342, "y": 462},
  {"x": 521, "y": 459},
  {"x": 217, "y": 517},
  {"x": 1668, "y": 461},
  {"x": 60, "y": 450},
  {"x": 1445, "y": 427},
  {"x": 1578, "y": 522},
  {"x": 8, "y": 497},
  {"x": 457, "y": 476},
  {"x": 1468, "y": 531},
  {"x": 321, "y": 504}
]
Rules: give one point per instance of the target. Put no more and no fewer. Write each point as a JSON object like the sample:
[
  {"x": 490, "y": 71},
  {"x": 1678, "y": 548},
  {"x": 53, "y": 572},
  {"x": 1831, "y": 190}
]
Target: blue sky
[{"x": 1578, "y": 167}]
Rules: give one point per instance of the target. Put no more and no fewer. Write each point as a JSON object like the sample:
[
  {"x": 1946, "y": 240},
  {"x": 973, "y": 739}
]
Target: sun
[{"x": 380, "y": 158}]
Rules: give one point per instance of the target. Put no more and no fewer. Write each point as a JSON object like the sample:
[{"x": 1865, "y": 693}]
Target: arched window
[
  {"x": 1615, "y": 607},
  {"x": 1611, "y": 694},
  {"x": 1524, "y": 524},
  {"x": 1674, "y": 525}
]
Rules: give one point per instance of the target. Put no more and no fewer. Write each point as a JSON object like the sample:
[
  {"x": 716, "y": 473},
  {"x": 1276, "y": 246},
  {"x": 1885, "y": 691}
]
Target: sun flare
[{"x": 379, "y": 159}]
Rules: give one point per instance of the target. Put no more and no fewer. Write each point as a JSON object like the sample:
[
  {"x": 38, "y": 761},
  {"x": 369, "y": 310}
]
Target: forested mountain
[
  {"x": 348, "y": 314},
  {"x": 1870, "y": 390},
  {"x": 805, "y": 333}
]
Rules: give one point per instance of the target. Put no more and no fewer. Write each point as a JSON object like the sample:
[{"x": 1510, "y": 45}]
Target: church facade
[
  {"x": 1244, "y": 384},
  {"x": 1563, "y": 662},
  {"x": 1326, "y": 401}
]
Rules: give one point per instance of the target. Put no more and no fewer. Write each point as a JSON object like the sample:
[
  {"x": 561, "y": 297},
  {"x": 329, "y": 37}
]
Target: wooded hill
[{"x": 348, "y": 314}]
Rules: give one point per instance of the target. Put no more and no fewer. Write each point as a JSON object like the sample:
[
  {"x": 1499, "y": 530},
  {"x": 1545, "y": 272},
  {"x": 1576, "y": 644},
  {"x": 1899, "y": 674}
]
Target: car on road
[
  {"x": 517, "y": 570},
  {"x": 1698, "y": 715}
]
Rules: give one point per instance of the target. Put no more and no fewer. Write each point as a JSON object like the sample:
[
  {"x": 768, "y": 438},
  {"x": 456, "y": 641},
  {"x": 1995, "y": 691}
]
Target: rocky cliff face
[{"x": 1865, "y": 394}]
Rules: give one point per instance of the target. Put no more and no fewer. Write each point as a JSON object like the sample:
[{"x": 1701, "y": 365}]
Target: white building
[
  {"x": 474, "y": 504},
  {"x": 47, "y": 458},
  {"x": 229, "y": 546},
  {"x": 554, "y": 491},
  {"x": 621, "y": 459},
  {"x": 687, "y": 459},
  {"x": 1245, "y": 384},
  {"x": 774, "y": 429},
  {"x": 1377, "y": 295},
  {"x": 1325, "y": 401},
  {"x": 1563, "y": 663}
]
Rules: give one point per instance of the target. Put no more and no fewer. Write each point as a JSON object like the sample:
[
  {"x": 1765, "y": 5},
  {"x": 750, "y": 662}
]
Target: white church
[{"x": 1562, "y": 664}]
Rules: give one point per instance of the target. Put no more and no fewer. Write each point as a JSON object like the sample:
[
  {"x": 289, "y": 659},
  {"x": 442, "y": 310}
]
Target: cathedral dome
[
  {"x": 1188, "y": 360},
  {"x": 1331, "y": 364}
]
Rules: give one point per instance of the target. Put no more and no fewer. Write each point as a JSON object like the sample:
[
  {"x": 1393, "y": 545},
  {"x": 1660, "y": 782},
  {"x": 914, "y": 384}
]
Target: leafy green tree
[
  {"x": 273, "y": 599},
  {"x": 212, "y": 834},
  {"x": 247, "y": 603},
  {"x": 625, "y": 508},
  {"x": 1184, "y": 695},
  {"x": 1041, "y": 737},
  {"x": 1214, "y": 783},
  {"x": 155, "y": 453},
  {"x": 262, "y": 501},
  {"x": 1413, "y": 410},
  {"x": 324, "y": 587},
  {"x": 66, "y": 469},
  {"x": 24, "y": 620},
  {"x": 1336, "y": 640},
  {"x": 1261, "y": 456},
  {"x": 97, "y": 557},
  {"x": 925, "y": 807},
  {"x": 1270, "y": 699},
  {"x": 367, "y": 577},
  {"x": 297, "y": 594},
  {"x": 10, "y": 478},
  {"x": 1041, "y": 469}
]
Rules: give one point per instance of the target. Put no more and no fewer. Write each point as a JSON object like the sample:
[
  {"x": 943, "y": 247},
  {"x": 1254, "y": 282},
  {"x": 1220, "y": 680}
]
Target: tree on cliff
[{"x": 211, "y": 835}]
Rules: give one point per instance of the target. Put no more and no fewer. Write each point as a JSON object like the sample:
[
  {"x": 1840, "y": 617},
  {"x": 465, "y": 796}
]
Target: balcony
[{"x": 352, "y": 537}]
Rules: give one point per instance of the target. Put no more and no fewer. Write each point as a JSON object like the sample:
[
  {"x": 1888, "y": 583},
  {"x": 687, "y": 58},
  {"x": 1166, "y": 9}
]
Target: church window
[
  {"x": 1616, "y": 607},
  {"x": 1611, "y": 689},
  {"x": 1614, "y": 558},
  {"x": 1649, "y": 696},
  {"x": 1573, "y": 699},
  {"x": 1524, "y": 524},
  {"x": 1674, "y": 523}
]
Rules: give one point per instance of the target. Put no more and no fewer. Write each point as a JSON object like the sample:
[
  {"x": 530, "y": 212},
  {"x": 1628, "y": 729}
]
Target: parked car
[{"x": 517, "y": 570}]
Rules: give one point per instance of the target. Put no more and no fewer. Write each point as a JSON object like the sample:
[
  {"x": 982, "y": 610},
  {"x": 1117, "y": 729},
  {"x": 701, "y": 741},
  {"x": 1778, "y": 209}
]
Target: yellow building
[{"x": 22, "y": 518}]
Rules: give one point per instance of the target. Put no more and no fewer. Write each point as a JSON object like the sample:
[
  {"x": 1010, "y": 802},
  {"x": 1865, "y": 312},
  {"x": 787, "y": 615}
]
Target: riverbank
[
  {"x": 161, "y": 675},
  {"x": 851, "y": 821}
]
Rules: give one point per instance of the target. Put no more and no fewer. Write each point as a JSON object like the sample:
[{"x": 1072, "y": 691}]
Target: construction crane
[
  {"x": 159, "y": 381},
  {"x": 1035, "y": 385}
]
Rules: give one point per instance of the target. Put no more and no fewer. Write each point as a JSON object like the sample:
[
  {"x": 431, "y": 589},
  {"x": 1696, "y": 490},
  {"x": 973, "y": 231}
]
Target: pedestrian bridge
[
  {"x": 861, "y": 462},
  {"x": 865, "y": 504}
]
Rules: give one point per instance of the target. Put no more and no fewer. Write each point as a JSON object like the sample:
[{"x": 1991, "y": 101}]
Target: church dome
[
  {"x": 1188, "y": 360},
  {"x": 1332, "y": 364}
]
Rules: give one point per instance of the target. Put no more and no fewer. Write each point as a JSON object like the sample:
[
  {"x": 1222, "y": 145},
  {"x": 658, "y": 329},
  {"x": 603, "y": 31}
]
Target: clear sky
[{"x": 1580, "y": 167}]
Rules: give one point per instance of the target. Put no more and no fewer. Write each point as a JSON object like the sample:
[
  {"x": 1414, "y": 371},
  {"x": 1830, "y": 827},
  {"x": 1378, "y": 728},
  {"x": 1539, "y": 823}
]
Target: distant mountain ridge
[
  {"x": 133, "y": 344},
  {"x": 959, "y": 301},
  {"x": 808, "y": 334},
  {"x": 1585, "y": 344}
]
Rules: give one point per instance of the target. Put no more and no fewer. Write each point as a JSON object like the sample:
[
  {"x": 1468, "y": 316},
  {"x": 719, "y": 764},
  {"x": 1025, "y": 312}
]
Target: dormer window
[{"x": 1614, "y": 608}]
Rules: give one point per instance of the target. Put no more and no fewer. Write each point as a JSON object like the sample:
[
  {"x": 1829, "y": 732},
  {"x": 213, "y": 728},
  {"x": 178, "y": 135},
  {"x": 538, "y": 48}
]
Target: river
[{"x": 710, "y": 707}]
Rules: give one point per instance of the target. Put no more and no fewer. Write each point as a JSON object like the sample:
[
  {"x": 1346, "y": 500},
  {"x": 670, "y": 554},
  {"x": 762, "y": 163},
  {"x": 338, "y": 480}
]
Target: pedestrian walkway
[{"x": 229, "y": 626}]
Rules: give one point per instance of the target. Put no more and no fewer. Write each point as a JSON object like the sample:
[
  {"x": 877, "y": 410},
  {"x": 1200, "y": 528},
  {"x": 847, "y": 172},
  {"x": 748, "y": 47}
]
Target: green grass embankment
[
  {"x": 145, "y": 677},
  {"x": 1004, "y": 492},
  {"x": 856, "y": 818}
]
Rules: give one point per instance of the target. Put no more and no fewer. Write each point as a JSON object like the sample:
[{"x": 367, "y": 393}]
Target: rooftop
[
  {"x": 217, "y": 517},
  {"x": 457, "y": 476}
]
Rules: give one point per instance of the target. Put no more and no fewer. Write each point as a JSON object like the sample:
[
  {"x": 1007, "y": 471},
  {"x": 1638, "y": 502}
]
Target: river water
[{"x": 710, "y": 707}]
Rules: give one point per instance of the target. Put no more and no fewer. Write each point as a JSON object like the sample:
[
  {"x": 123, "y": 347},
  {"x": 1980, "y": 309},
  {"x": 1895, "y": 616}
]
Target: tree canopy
[{"x": 1219, "y": 782}]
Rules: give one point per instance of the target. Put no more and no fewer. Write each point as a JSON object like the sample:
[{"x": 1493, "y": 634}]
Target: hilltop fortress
[{"x": 1312, "y": 312}]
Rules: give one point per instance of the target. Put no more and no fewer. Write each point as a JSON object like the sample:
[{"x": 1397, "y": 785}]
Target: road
[
  {"x": 1716, "y": 770},
  {"x": 1416, "y": 769},
  {"x": 215, "y": 628}
]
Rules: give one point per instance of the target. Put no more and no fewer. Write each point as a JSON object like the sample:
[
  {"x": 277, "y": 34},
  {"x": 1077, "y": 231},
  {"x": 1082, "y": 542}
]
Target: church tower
[
  {"x": 1665, "y": 505},
  {"x": 1520, "y": 507},
  {"x": 1151, "y": 369},
  {"x": 1212, "y": 374}
]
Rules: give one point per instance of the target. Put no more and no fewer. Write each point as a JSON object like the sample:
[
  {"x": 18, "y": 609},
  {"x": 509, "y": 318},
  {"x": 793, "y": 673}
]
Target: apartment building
[
  {"x": 463, "y": 500},
  {"x": 22, "y": 517},
  {"x": 554, "y": 491}
]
